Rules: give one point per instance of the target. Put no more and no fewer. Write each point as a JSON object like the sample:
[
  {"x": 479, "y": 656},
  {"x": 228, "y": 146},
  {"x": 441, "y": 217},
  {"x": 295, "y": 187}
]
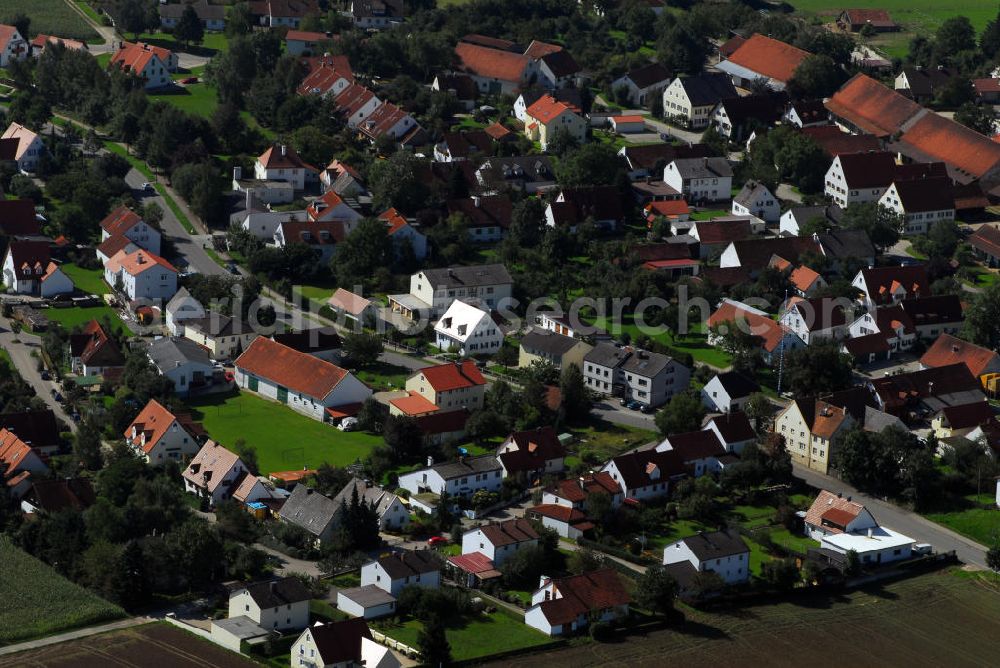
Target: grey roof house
[{"x": 310, "y": 510}]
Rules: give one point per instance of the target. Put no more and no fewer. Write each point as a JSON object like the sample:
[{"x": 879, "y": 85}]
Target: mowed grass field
[
  {"x": 37, "y": 601},
  {"x": 948, "y": 618},
  {"x": 51, "y": 17},
  {"x": 152, "y": 645},
  {"x": 86, "y": 280},
  {"x": 284, "y": 440},
  {"x": 74, "y": 316}
]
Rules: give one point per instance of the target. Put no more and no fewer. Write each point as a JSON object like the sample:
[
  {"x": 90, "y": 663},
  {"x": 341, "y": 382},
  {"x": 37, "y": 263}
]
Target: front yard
[
  {"x": 978, "y": 519},
  {"x": 382, "y": 376},
  {"x": 284, "y": 440},
  {"x": 90, "y": 281},
  {"x": 75, "y": 316}
]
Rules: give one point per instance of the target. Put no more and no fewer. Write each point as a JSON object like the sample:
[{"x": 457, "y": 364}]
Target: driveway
[
  {"x": 902, "y": 520},
  {"x": 612, "y": 411},
  {"x": 27, "y": 366}
]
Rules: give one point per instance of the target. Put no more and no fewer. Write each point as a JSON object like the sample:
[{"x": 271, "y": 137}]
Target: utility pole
[{"x": 781, "y": 349}]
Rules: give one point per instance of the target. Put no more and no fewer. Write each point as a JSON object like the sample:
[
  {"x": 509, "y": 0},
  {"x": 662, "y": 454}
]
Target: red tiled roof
[
  {"x": 989, "y": 85},
  {"x": 877, "y": 17},
  {"x": 137, "y": 262},
  {"x": 628, "y": 119},
  {"x": 770, "y": 331},
  {"x": 722, "y": 231},
  {"x": 581, "y": 594},
  {"x": 321, "y": 80},
  {"x": 273, "y": 158},
  {"x": 727, "y": 48},
  {"x": 559, "y": 513},
  {"x": 329, "y": 200},
  {"x": 578, "y": 489},
  {"x": 546, "y": 109},
  {"x": 872, "y": 107},
  {"x": 803, "y": 278},
  {"x": 476, "y": 563},
  {"x": 135, "y": 56},
  {"x": 968, "y": 416},
  {"x": 491, "y": 63},
  {"x": 509, "y": 532},
  {"x": 320, "y": 233},
  {"x": 6, "y": 34},
  {"x": 414, "y": 404},
  {"x": 669, "y": 264},
  {"x": 453, "y": 376},
  {"x": 153, "y": 421},
  {"x": 41, "y": 41},
  {"x": 670, "y": 208},
  {"x": 120, "y": 221},
  {"x": 13, "y": 451},
  {"x": 834, "y": 141},
  {"x": 292, "y": 476},
  {"x": 394, "y": 219},
  {"x": 306, "y": 36},
  {"x": 948, "y": 349},
  {"x": 770, "y": 57},
  {"x": 284, "y": 366},
  {"x": 943, "y": 139},
  {"x": 112, "y": 245},
  {"x": 827, "y": 501},
  {"x": 497, "y": 131},
  {"x": 348, "y": 301},
  {"x": 538, "y": 49}
]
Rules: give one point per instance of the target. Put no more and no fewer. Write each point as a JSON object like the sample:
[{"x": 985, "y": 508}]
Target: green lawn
[
  {"x": 212, "y": 43},
  {"x": 75, "y": 316},
  {"x": 86, "y": 280},
  {"x": 471, "y": 639},
  {"x": 980, "y": 524},
  {"x": 88, "y": 10},
  {"x": 382, "y": 376},
  {"x": 39, "y": 601},
  {"x": 199, "y": 99},
  {"x": 922, "y": 16},
  {"x": 695, "y": 343},
  {"x": 50, "y": 17},
  {"x": 794, "y": 542},
  {"x": 983, "y": 277},
  {"x": 602, "y": 440},
  {"x": 709, "y": 214},
  {"x": 284, "y": 440}
]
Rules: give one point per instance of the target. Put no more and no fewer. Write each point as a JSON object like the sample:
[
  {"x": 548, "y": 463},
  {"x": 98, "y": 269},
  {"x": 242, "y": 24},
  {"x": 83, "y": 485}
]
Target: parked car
[
  {"x": 232, "y": 268},
  {"x": 229, "y": 376},
  {"x": 646, "y": 408},
  {"x": 189, "y": 80},
  {"x": 147, "y": 187},
  {"x": 348, "y": 424},
  {"x": 46, "y": 375},
  {"x": 436, "y": 541},
  {"x": 624, "y": 401},
  {"x": 634, "y": 405}
]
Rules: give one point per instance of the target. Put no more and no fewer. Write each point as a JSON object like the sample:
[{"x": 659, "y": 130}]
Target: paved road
[
  {"x": 612, "y": 411},
  {"x": 27, "y": 366},
  {"x": 904, "y": 521},
  {"x": 73, "y": 635}
]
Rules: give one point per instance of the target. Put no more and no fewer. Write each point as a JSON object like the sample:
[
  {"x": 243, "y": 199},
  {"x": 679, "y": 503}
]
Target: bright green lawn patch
[
  {"x": 212, "y": 43},
  {"x": 602, "y": 440},
  {"x": 73, "y": 317},
  {"x": 50, "y": 17},
  {"x": 199, "y": 99},
  {"x": 104, "y": 59},
  {"x": 757, "y": 556},
  {"x": 86, "y": 280},
  {"x": 478, "y": 637},
  {"x": 709, "y": 214},
  {"x": 980, "y": 524},
  {"x": 284, "y": 440},
  {"x": 316, "y": 293},
  {"x": 922, "y": 16},
  {"x": 794, "y": 542},
  {"x": 88, "y": 10},
  {"x": 982, "y": 277},
  {"x": 39, "y": 601},
  {"x": 695, "y": 342},
  {"x": 381, "y": 376}
]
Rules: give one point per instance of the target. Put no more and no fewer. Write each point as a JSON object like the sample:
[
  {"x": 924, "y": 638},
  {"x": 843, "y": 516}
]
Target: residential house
[
  {"x": 559, "y": 324},
  {"x": 157, "y": 435},
  {"x": 13, "y": 46},
  {"x": 693, "y": 98},
  {"x": 308, "y": 509},
  {"x": 432, "y": 291},
  {"x": 48, "y": 497},
  {"x": 212, "y": 17},
  {"x": 575, "y": 493},
  {"x": 18, "y": 220},
  {"x": 215, "y": 473},
  {"x": 810, "y": 427},
  {"x": 927, "y": 391},
  {"x": 321, "y": 342},
  {"x": 392, "y": 514},
  {"x": 960, "y": 420},
  {"x": 321, "y": 237},
  {"x": 754, "y": 255},
  {"x": 700, "y": 179},
  {"x": 92, "y": 352},
  {"x": 408, "y": 568},
  {"x": 331, "y": 207},
  {"x": 602, "y": 368},
  {"x": 368, "y": 602},
  {"x": 328, "y": 79},
  {"x": 404, "y": 235},
  {"x": 924, "y": 84},
  {"x": 755, "y": 199},
  {"x": 263, "y": 224},
  {"x": 547, "y": 116},
  {"x": 30, "y": 146},
  {"x": 985, "y": 244},
  {"x": 733, "y": 430},
  {"x": 646, "y": 474},
  {"x": 546, "y": 346},
  {"x": 844, "y": 247},
  {"x": 566, "y": 521},
  {"x": 815, "y": 320},
  {"x": 600, "y": 205},
  {"x": 566, "y": 605},
  {"x": 854, "y": 20},
  {"x": 700, "y": 451},
  {"x": 28, "y": 270},
  {"x": 183, "y": 361},
  {"x": 948, "y": 349},
  {"x": 486, "y": 217},
  {"x": 775, "y": 338},
  {"x": 500, "y": 540},
  {"x": 878, "y": 545},
  {"x": 462, "y": 87},
  {"x": 987, "y": 90},
  {"x": 467, "y": 330},
  {"x": 556, "y": 67},
  {"x": 181, "y": 308},
  {"x": 761, "y": 57},
  {"x": 151, "y": 64},
  {"x": 648, "y": 160},
  {"x": 306, "y": 43},
  {"x": 721, "y": 552},
  {"x": 653, "y": 378},
  {"x": 388, "y": 120},
  {"x": 141, "y": 275},
  {"x": 38, "y": 429},
  {"x": 283, "y": 13},
  {"x": 832, "y": 513},
  {"x": 282, "y": 163},
  {"x": 934, "y": 315},
  {"x": 528, "y": 174},
  {"x": 807, "y": 282},
  {"x": 278, "y": 605},
  {"x": 626, "y": 124},
  {"x": 715, "y": 235},
  {"x": 344, "y": 644},
  {"x": 127, "y": 223},
  {"x": 535, "y": 452},
  {"x": 225, "y": 337},
  {"x": 376, "y": 14},
  {"x": 736, "y": 118},
  {"x": 302, "y": 382},
  {"x": 463, "y": 145},
  {"x": 451, "y": 386},
  {"x": 888, "y": 285},
  {"x": 642, "y": 83},
  {"x": 19, "y": 462},
  {"x": 353, "y": 307},
  {"x": 921, "y": 203},
  {"x": 807, "y": 113},
  {"x": 728, "y": 392},
  {"x": 859, "y": 177},
  {"x": 459, "y": 478}
]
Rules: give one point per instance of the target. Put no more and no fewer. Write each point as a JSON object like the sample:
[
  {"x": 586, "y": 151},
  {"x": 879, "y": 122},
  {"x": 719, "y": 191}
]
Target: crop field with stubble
[
  {"x": 50, "y": 17},
  {"x": 949, "y": 618}
]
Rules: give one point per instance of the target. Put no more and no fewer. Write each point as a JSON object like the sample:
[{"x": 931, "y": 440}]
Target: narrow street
[{"x": 26, "y": 365}]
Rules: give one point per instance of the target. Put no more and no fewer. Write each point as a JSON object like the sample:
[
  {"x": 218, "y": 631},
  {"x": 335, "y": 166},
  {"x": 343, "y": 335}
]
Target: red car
[
  {"x": 229, "y": 376},
  {"x": 189, "y": 80},
  {"x": 435, "y": 541}
]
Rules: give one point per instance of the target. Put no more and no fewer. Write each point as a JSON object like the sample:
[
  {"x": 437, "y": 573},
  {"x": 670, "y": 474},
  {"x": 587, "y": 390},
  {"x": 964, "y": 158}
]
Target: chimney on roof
[
  {"x": 237, "y": 173},
  {"x": 869, "y": 532},
  {"x": 284, "y": 150},
  {"x": 580, "y": 480},
  {"x": 930, "y": 387},
  {"x": 430, "y": 460}
]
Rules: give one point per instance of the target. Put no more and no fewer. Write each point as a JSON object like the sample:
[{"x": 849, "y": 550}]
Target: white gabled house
[
  {"x": 565, "y": 605},
  {"x": 29, "y": 147},
  {"x": 127, "y": 223},
  {"x": 403, "y": 569},
  {"x": 141, "y": 275},
  {"x": 157, "y": 435},
  {"x": 755, "y": 199},
  {"x": 721, "y": 552},
  {"x": 215, "y": 473},
  {"x": 460, "y": 478},
  {"x": 28, "y": 270},
  {"x": 13, "y": 45},
  {"x": 467, "y": 330},
  {"x": 499, "y": 541},
  {"x": 727, "y": 392},
  {"x": 921, "y": 202},
  {"x": 833, "y": 513},
  {"x": 700, "y": 179},
  {"x": 343, "y": 644},
  {"x": 279, "y": 605}
]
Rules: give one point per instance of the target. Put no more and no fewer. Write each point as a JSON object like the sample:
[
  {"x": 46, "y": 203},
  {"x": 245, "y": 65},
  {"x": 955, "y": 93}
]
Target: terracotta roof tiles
[{"x": 284, "y": 366}]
